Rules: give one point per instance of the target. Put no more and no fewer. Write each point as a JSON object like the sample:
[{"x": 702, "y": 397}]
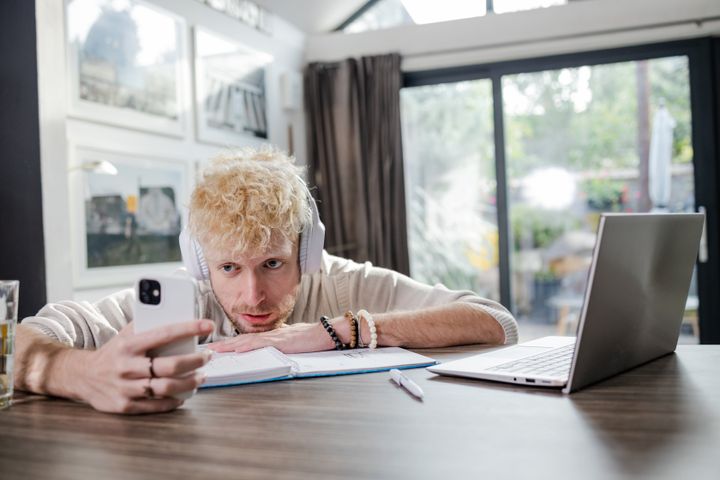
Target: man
[{"x": 253, "y": 243}]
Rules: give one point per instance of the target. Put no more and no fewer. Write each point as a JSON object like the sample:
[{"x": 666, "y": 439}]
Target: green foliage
[
  {"x": 535, "y": 227},
  {"x": 669, "y": 81},
  {"x": 447, "y": 125},
  {"x": 548, "y": 124},
  {"x": 544, "y": 276},
  {"x": 582, "y": 119},
  {"x": 604, "y": 195}
]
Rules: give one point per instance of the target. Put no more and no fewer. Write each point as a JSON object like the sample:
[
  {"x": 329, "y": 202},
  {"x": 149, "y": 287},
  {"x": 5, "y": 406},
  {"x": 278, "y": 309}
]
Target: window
[
  {"x": 380, "y": 14},
  {"x": 579, "y": 141},
  {"x": 608, "y": 131},
  {"x": 508, "y": 6},
  {"x": 450, "y": 185}
]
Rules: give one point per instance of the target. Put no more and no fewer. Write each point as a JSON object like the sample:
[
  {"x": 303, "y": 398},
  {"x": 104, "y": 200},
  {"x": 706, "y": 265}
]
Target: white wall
[
  {"x": 60, "y": 135},
  {"x": 578, "y": 26}
]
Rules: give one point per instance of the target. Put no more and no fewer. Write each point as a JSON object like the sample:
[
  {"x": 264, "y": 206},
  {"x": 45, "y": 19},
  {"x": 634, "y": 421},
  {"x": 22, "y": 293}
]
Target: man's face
[{"x": 257, "y": 292}]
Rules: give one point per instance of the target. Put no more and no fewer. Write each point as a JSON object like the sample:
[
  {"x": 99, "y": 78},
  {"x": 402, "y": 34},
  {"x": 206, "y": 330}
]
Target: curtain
[{"x": 355, "y": 157}]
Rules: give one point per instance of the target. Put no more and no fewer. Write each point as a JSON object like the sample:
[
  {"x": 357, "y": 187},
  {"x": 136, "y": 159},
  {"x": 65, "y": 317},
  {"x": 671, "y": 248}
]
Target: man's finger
[
  {"x": 228, "y": 345},
  {"x": 170, "y": 366},
  {"x": 176, "y": 365},
  {"x": 157, "y": 337},
  {"x": 127, "y": 330},
  {"x": 154, "y": 405},
  {"x": 167, "y": 386},
  {"x": 249, "y": 346}
]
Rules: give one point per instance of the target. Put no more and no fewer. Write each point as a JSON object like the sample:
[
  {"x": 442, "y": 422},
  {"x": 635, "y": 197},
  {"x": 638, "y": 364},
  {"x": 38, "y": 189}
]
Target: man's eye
[
  {"x": 274, "y": 264},
  {"x": 228, "y": 268}
]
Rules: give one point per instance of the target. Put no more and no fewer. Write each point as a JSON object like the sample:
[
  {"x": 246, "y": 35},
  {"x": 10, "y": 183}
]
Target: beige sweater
[{"x": 340, "y": 285}]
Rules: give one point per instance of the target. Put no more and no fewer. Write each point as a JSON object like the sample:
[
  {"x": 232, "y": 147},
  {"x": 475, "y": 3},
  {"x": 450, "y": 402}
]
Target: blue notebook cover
[{"x": 269, "y": 364}]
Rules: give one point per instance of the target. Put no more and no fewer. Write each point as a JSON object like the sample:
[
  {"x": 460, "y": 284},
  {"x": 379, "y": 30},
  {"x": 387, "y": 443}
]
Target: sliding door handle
[{"x": 703, "y": 250}]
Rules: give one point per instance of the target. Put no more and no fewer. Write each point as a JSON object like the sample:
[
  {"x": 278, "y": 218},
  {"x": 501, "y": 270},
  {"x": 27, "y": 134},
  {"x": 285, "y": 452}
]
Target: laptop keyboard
[{"x": 553, "y": 363}]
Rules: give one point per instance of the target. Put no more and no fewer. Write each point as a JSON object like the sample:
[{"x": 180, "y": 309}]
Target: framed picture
[
  {"x": 126, "y": 60},
  {"x": 230, "y": 91},
  {"x": 127, "y": 223}
]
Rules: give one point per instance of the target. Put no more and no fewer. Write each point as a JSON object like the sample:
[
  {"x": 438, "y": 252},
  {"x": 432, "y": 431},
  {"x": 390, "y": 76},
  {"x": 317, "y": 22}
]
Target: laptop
[{"x": 632, "y": 310}]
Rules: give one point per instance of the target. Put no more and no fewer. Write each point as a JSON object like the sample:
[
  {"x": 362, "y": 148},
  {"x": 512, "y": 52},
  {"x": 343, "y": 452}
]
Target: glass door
[
  {"x": 450, "y": 185},
  {"x": 579, "y": 142},
  {"x": 545, "y": 152}
]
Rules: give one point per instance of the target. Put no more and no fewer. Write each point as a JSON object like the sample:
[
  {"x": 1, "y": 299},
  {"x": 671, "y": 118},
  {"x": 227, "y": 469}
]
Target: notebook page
[
  {"x": 234, "y": 368},
  {"x": 355, "y": 361}
]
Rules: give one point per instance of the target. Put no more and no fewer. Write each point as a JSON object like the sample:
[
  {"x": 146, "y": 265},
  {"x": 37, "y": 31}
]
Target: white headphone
[{"x": 310, "y": 249}]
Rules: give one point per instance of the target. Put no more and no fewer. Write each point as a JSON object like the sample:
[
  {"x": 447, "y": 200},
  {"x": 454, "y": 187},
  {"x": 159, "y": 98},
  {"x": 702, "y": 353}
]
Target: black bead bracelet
[{"x": 331, "y": 331}]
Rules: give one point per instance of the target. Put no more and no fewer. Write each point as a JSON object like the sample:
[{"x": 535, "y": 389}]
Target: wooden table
[{"x": 661, "y": 420}]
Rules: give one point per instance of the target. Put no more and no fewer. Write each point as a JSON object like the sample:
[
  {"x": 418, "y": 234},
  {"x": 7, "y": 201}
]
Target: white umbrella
[{"x": 659, "y": 175}]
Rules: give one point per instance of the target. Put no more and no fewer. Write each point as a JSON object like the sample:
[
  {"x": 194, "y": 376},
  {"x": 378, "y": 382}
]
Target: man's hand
[
  {"x": 118, "y": 376},
  {"x": 296, "y": 338}
]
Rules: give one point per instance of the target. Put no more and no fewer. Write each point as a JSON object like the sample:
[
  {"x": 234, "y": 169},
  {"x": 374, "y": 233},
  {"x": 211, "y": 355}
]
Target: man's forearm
[
  {"x": 441, "y": 326},
  {"x": 45, "y": 366}
]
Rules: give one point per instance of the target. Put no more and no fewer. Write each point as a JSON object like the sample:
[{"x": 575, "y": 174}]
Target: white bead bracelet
[{"x": 363, "y": 314}]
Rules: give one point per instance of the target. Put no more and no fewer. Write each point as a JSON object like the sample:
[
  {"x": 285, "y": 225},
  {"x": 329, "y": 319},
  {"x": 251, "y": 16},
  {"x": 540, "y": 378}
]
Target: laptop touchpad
[{"x": 516, "y": 352}]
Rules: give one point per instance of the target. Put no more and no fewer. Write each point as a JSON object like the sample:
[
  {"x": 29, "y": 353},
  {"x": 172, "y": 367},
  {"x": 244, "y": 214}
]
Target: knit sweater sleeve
[
  {"x": 88, "y": 325},
  {"x": 83, "y": 324},
  {"x": 381, "y": 290}
]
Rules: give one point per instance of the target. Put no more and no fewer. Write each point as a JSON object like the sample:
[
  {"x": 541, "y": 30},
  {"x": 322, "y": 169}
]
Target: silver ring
[
  {"x": 149, "y": 393},
  {"x": 150, "y": 368}
]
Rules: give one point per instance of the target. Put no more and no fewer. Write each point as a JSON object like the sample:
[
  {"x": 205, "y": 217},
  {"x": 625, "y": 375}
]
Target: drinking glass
[{"x": 9, "y": 290}]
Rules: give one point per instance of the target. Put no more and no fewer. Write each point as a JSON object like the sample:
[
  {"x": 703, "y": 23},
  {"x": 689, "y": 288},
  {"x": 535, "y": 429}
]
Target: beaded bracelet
[
  {"x": 353, "y": 329},
  {"x": 360, "y": 343},
  {"x": 363, "y": 314},
  {"x": 331, "y": 331}
]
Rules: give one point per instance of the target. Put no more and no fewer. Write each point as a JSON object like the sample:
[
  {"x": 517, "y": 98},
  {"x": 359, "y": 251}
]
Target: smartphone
[{"x": 165, "y": 300}]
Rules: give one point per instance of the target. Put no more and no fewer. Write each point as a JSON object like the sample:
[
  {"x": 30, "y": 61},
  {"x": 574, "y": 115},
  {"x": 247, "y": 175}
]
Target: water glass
[{"x": 9, "y": 291}]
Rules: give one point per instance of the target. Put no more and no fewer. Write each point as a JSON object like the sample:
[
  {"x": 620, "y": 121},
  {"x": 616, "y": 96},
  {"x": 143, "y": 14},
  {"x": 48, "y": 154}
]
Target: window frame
[{"x": 704, "y": 69}]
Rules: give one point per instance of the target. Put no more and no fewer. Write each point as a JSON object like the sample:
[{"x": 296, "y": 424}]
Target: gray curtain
[{"x": 355, "y": 157}]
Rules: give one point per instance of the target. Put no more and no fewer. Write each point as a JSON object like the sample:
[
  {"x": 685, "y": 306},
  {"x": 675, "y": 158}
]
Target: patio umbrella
[{"x": 659, "y": 175}]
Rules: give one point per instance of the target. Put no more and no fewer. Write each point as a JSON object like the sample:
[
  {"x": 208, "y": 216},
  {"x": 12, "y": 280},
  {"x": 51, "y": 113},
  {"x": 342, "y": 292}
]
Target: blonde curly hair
[{"x": 244, "y": 197}]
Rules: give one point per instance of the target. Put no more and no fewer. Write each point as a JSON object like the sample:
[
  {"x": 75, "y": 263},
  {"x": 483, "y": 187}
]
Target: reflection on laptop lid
[{"x": 633, "y": 308}]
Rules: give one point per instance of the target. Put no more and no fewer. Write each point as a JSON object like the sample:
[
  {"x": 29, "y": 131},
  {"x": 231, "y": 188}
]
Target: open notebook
[{"x": 270, "y": 364}]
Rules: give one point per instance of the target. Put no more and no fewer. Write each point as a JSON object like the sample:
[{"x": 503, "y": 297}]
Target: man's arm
[
  {"x": 116, "y": 377},
  {"x": 440, "y": 326},
  {"x": 43, "y": 365},
  {"x": 414, "y": 314},
  {"x": 406, "y": 312}
]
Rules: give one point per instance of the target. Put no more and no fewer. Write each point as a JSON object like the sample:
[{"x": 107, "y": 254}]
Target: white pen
[{"x": 412, "y": 387}]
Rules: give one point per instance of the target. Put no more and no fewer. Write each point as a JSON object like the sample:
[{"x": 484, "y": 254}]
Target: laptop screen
[{"x": 635, "y": 297}]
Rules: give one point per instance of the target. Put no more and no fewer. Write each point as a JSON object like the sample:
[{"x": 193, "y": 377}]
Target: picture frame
[
  {"x": 127, "y": 224},
  {"x": 230, "y": 90},
  {"x": 127, "y": 65}
]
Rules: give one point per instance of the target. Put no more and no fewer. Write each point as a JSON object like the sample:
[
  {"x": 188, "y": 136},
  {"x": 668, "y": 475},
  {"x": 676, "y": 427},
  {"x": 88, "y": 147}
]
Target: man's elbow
[{"x": 490, "y": 328}]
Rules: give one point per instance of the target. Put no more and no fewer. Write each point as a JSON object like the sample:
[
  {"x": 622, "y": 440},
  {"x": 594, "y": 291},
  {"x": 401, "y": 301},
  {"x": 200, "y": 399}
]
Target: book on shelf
[{"x": 270, "y": 364}]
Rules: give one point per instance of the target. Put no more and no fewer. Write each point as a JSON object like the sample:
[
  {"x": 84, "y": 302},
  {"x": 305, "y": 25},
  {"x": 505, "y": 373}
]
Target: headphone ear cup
[
  {"x": 312, "y": 241},
  {"x": 193, "y": 257}
]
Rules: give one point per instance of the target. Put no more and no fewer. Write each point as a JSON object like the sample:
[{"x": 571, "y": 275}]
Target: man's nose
[{"x": 252, "y": 289}]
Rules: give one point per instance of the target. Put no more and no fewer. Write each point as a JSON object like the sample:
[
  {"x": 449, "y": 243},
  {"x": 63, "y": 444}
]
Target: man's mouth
[{"x": 254, "y": 319}]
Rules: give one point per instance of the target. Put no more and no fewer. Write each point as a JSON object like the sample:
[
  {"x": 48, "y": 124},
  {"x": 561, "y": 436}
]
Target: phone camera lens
[{"x": 150, "y": 292}]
